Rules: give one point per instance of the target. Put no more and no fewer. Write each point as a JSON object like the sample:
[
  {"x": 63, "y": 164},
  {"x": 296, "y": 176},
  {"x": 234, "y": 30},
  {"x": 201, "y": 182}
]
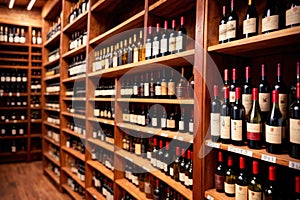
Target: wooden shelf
[
  {"x": 36, "y": 151},
  {"x": 102, "y": 144},
  {"x": 73, "y": 194},
  {"x": 36, "y": 94},
  {"x": 262, "y": 154},
  {"x": 14, "y": 59},
  {"x": 101, "y": 168},
  {"x": 13, "y": 67},
  {"x": 36, "y": 120},
  {"x": 103, "y": 121},
  {"x": 51, "y": 125},
  {"x": 36, "y": 45},
  {"x": 74, "y": 99},
  {"x": 18, "y": 153},
  {"x": 36, "y": 76},
  {"x": 36, "y": 108},
  {"x": 49, "y": 157},
  {"x": 13, "y": 137},
  {"x": 79, "y": 22},
  {"x": 212, "y": 194},
  {"x": 52, "y": 109},
  {"x": 52, "y": 175},
  {"x": 51, "y": 141},
  {"x": 163, "y": 101},
  {"x": 36, "y": 54},
  {"x": 14, "y": 44},
  {"x": 102, "y": 5},
  {"x": 131, "y": 189},
  {"x": 53, "y": 40},
  {"x": 15, "y": 122},
  {"x": 75, "y": 52},
  {"x": 74, "y": 115},
  {"x": 102, "y": 99},
  {"x": 250, "y": 46},
  {"x": 175, "y": 60},
  {"x": 50, "y": 78},
  {"x": 66, "y": 130},
  {"x": 186, "y": 137},
  {"x": 51, "y": 93},
  {"x": 95, "y": 194},
  {"x": 36, "y": 135},
  {"x": 51, "y": 63},
  {"x": 37, "y": 68},
  {"x": 75, "y": 153},
  {"x": 13, "y": 52},
  {"x": 53, "y": 10},
  {"x": 75, "y": 78},
  {"x": 13, "y": 94},
  {"x": 73, "y": 176},
  {"x": 13, "y": 108}
]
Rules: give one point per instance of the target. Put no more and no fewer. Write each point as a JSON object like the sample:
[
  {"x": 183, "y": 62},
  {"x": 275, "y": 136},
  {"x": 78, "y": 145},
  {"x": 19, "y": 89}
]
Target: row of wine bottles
[
  {"x": 53, "y": 87},
  {"x": 13, "y": 146},
  {"x": 13, "y": 115},
  {"x": 52, "y": 104},
  {"x": 78, "y": 39},
  {"x": 13, "y": 130},
  {"x": 54, "y": 152},
  {"x": 104, "y": 110},
  {"x": 53, "y": 134},
  {"x": 77, "y": 128},
  {"x": 102, "y": 155},
  {"x": 77, "y": 9},
  {"x": 53, "y": 55},
  {"x": 103, "y": 185},
  {"x": 75, "y": 143},
  {"x": 78, "y": 65},
  {"x": 256, "y": 182},
  {"x": 53, "y": 119},
  {"x": 77, "y": 167},
  {"x": 76, "y": 187},
  {"x": 272, "y": 18},
  {"x": 105, "y": 134},
  {"x": 53, "y": 168},
  {"x": 12, "y": 34},
  {"x": 13, "y": 102},
  {"x": 52, "y": 71},
  {"x": 54, "y": 28}
]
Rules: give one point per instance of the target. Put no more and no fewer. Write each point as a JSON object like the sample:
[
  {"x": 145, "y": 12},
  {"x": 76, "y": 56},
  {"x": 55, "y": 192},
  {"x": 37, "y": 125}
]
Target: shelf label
[
  {"x": 294, "y": 165},
  {"x": 146, "y": 168},
  {"x": 268, "y": 158},
  {"x": 240, "y": 151},
  {"x": 129, "y": 159},
  {"x": 15, "y": 121},
  {"x": 180, "y": 138},
  {"x": 209, "y": 197},
  {"x": 10, "y": 94},
  {"x": 150, "y": 132},
  {"x": 137, "y": 129},
  {"x": 18, "y": 94},
  {"x": 164, "y": 135},
  {"x": 95, "y": 197},
  {"x": 191, "y": 141},
  {"x": 213, "y": 144}
]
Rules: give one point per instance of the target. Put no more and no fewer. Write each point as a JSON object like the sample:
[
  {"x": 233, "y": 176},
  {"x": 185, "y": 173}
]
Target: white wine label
[
  {"x": 13, "y": 149},
  {"x": 96, "y": 112},
  {"x": 295, "y": 131},
  {"x": 254, "y": 131},
  {"x": 171, "y": 88},
  {"x": 181, "y": 125},
  {"x": 292, "y": 16},
  {"x": 237, "y": 130},
  {"x": 148, "y": 50},
  {"x": 270, "y": 23},
  {"x": 115, "y": 61},
  {"x": 229, "y": 188},
  {"x": 13, "y": 131},
  {"x": 155, "y": 50},
  {"x": 163, "y": 122},
  {"x": 247, "y": 102},
  {"x": 135, "y": 55},
  {"x": 163, "y": 45},
  {"x": 222, "y": 32},
  {"x": 3, "y": 131},
  {"x": 264, "y": 101},
  {"x": 254, "y": 195},
  {"x": 274, "y": 134},
  {"x": 135, "y": 90},
  {"x": 179, "y": 42},
  {"x": 126, "y": 117},
  {"x": 249, "y": 26},
  {"x": 241, "y": 192},
  {"x": 154, "y": 122},
  {"x": 146, "y": 89},
  {"x": 157, "y": 90},
  {"x": 225, "y": 127},
  {"x": 172, "y": 44},
  {"x": 232, "y": 96},
  {"x": 171, "y": 171},
  {"x": 191, "y": 127},
  {"x": 283, "y": 103},
  {"x": 170, "y": 123},
  {"x": 231, "y": 29},
  {"x": 149, "y": 155},
  {"x": 147, "y": 188},
  {"x": 164, "y": 88},
  {"x": 215, "y": 124}
]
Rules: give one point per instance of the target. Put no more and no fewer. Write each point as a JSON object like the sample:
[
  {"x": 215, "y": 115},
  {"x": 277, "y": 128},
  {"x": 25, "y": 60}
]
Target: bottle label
[
  {"x": 231, "y": 29},
  {"x": 191, "y": 127},
  {"x": 149, "y": 155},
  {"x": 219, "y": 182},
  {"x": 170, "y": 123},
  {"x": 21, "y": 131},
  {"x": 171, "y": 172},
  {"x": 154, "y": 122},
  {"x": 253, "y": 131},
  {"x": 264, "y": 102},
  {"x": 270, "y": 23},
  {"x": 135, "y": 55},
  {"x": 138, "y": 149},
  {"x": 146, "y": 89},
  {"x": 237, "y": 130},
  {"x": 157, "y": 90},
  {"x": 249, "y": 26},
  {"x": 181, "y": 176},
  {"x": 148, "y": 49},
  {"x": 283, "y": 103},
  {"x": 232, "y": 96},
  {"x": 274, "y": 134},
  {"x": 225, "y": 127},
  {"x": 181, "y": 125},
  {"x": 241, "y": 192},
  {"x": 155, "y": 48},
  {"x": 229, "y": 188},
  {"x": 222, "y": 32},
  {"x": 179, "y": 42},
  {"x": 295, "y": 131},
  {"x": 125, "y": 117},
  {"x": 13, "y": 131},
  {"x": 164, "y": 88},
  {"x": 13, "y": 149},
  {"x": 135, "y": 90},
  {"x": 215, "y": 124},
  {"x": 247, "y": 102},
  {"x": 163, "y": 122},
  {"x": 115, "y": 61},
  {"x": 163, "y": 45},
  {"x": 3, "y": 131},
  {"x": 172, "y": 44},
  {"x": 147, "y": 188},
  {"x": 96, "y": 112},
  {"x": 292, "y": 16},
  {"x": 254, "y": 195},
  {"x": 171, "y": 88}
]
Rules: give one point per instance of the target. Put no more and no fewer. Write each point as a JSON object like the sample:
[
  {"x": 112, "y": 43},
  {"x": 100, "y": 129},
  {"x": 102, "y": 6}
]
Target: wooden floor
[{"x": 25, "y": 181}]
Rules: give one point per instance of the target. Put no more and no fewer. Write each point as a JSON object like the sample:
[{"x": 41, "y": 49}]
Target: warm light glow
[
  {"x": 31, "y": 3},
  {"x": 11, "y": 3}
]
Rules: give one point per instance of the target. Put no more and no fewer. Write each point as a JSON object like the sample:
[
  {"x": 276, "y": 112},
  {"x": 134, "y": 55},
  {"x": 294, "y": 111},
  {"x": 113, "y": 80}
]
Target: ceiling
[{"x": 24, "y": 3}]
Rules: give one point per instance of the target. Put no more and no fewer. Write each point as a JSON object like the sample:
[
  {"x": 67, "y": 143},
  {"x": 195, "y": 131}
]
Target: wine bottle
[
  {"x": 232, "y": 24},
  {"x": 220, "y": 173},
  {"x": 229, "y": 183},
  {"x": 155, "y": 44},
  {"x": 297, "y": 188},
  {"x": 191, "y": 123},
  {"x": 189, "y": 174},
  {"x": 164, "y": 41},
  {"x": 247, "y": 93},
  {"x": 156, "y": 192},
  {"x": 148, "y": 186},
  {"x": 164, "y": 85},
  {"x": 241, "y": 182},
  {"x": 215, "y": 116},
  {"x": 270, "y": 19},
  {"x": 167, "y": 159},
  {"x": 129, "y": 54},
  {"x": 232, "y": 87},
  {"x": 226, "y": 84},
  {"x": 181, "y": 37},
  {"x": 149, "y": 44},
  {"x": 254, "y": 123},
  {"x": 182, "y": 166},
  {"x": 172, "y": 38},
  {"x": 292, "y": 14},
  {"x": 292, "y": 87},
  {"x": 223, "y": 27},
  {"x": 171, "y": 86},
  {"x": 176, "y": 165},
  {"x": 264, "y": 91},
  {"x": 158, "y": 86},
  {"x": 160, "y": 156},
  {"x": 271, "y": 191},
  {"x": 182, "y": 123},
  {"x": 294, "y": 121},
  {"x": 181, "y": 86},
  {"x": 187, "y": 169},
  {"x": 275, "y": 126},
  {"x": 238, "y": 123},
  {"x": 225, "y": 115},
  {"x": 250, "y": 23},
  {"x": 154, "y": 152},
  {"x": 172, "y": 120},
  {"x": 255, "y": 185}
]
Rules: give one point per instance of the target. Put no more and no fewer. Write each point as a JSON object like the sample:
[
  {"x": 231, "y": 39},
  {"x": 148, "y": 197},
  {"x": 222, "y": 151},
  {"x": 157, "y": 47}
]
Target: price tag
[
  {"x": 137, "y": 129},
  {"x": 95, "y": 197},
  {"x": 146, "y": 168},
  {"x": 294, "y": 165},
  {"x": 240, "y": 151},
  {"x": 180, "y": 138},
  {"x": 268, "y": 158},
  {"x": 10, "y": 94},
  {"x": 105, "y": 122},
  {"x": 164, "y": 135},
  {"x": 128, "y": 159},
  {"x": 1, "y": 94},
  {"x": 18, "y": 94},
  {"x": 213, "y": 144},
  {"x": 15, "y": 121},
  {"x": 150, "y": 132},
  {"x": 191, "y": 141},
  {"x": 210, "y": 197}
]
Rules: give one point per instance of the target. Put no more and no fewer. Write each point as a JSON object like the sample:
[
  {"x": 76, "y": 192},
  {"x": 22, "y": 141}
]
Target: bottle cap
[
  {"x": 216, "y": 90},
  {"x": 242, "y": 163},
  {"x": 254, "y": 94},
  {"x": 255, "y": 167},
  {"x": 220, "y": 157},
  {"x": 272, "y": 173}
]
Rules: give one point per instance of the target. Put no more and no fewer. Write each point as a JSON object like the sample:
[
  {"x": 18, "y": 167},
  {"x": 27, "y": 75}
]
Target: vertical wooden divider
[{"x": 29, "y": 91}]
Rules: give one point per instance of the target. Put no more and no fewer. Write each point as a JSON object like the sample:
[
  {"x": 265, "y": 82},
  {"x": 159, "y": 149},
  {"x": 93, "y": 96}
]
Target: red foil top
[
  {"x": 275, "y": 96},
  {"x": 183, "y": 153},
  {"x": 254, "y": 94},
  {"x": 278, "y": 70},
  {"x": 226, "y": 93},
  {"x": 160, "y": 144},
  {"x": 177, "y": 151},
  {"x": 189, "y": 154},
  {"x": 216, "y": 90},
  {"x": 154, "y": 141},
  {"x": 150, "y": 30},
  {"x": 182, "y": 21},
  {"x": 298, "y": 90},
  {"x": 255, "y": 167},
  {"x": 166, "y": 24},
  {"x": 237, "y": 93},
  {"x": 157, "y": 27},
  {"x": 224, "y": 10},
  {"x": 167, "y": 145},
  {"x": 229, "y": 162},
  {"x": 173, "y": 23},
  {"x": 226, "y": 75},
  {"x": 242, "y": 163},
  {"x": 297, "y": 184},
  {"x": 233, "y": 74},
  {"x": 272, "y": 173},
  {"x": 220, "y": 157},
  {"x": 262, "y": 70},
  {"x": 247, "y": 72}
]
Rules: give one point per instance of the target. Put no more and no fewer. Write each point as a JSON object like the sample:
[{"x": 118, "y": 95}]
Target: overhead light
[
  {"x": 11, "y": 3},
  {"x": 31, "y": 3}
]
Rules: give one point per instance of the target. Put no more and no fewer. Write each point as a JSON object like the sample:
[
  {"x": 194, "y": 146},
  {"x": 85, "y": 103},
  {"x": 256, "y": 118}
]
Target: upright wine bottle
[
  {"x": 220, "y": 173},
  {"x": 254, "y": 123},
  {"x": 232, "y": 24},
  {"x": 149, "y": 44},
  {"x": 223, "y": 27},
  {"x": 225, "y": 114},
  {"x": 250, "y": 23},
  {"x": 182, "y": 166},
  {"x": 181, "y": 37},
  {"x": 264, "y": 91},
  {"x": 164, "y": 41},
  {"x": 188, "y": 179},
  {"x": 271, "y": 191},
  {"x": 215, "y": 116},
  {"x": 294, "y": 123},
  {"x": 255, "y": 185},
  {"x": 156, "y": 192},
  {"x": 247, "y": 93},
  {"x": 292, "y": 87},
  {"x": 229, "y": 183},
  {"x": 241, "y": 182},
  {"x": 232, "y": 87},
  {"x": 297, "y": 188},
  {"x": 155, "y": 43},
  {"x": 238, "y": 122},
  {"x": 270, "y": 19},
  {"x": 172, "y": 38},
  {"x": 226, "y": 83},
  {"x": 275, "y": 126},
  {"x": 292, "y": 14}
]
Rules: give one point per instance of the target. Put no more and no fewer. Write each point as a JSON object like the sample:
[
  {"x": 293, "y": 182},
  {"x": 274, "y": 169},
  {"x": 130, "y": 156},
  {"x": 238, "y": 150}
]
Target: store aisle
[{"x": 26, "y": 181}]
